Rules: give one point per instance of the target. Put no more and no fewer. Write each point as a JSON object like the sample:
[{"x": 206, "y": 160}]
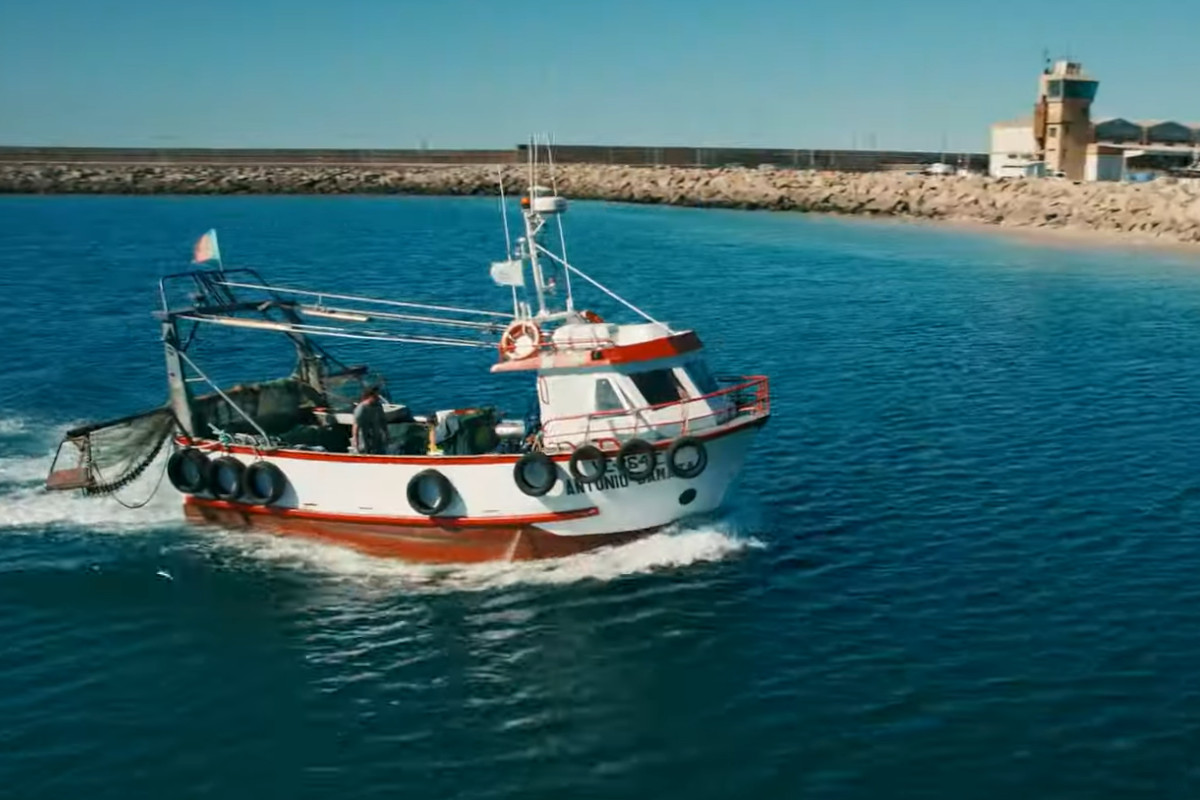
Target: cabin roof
[{"x": 606, "y": 355}]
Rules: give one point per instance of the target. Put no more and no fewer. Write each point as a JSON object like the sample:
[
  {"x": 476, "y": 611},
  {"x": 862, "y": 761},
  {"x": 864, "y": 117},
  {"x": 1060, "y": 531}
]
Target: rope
[
  {"x": 129, "y": 477},
  {"x": 153, "y": 492},
  {"x": 602, "y": 287}
]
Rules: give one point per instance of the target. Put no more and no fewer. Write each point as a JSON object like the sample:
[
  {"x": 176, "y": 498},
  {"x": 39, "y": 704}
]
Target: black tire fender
[
  {"x": 444, "y": 492},
  {"x": 178, "y": 473},
  {"x": 262, "y": 474},
  {"x": 225, "y": 476},
  {"x": 637, "y": 460},
  {"x": 588, "y": 452},
  {"x": 691, "y": 469},
  {"x": 544, "y": 466}
]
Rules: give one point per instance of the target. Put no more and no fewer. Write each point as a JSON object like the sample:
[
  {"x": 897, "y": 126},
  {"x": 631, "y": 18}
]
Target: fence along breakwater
[{"x": 1167, "y": 210}]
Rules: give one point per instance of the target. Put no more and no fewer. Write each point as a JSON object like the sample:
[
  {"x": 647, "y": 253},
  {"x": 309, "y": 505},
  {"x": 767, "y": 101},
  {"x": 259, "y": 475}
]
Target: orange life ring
[
  {"x": 591, "y": 316},
  {"x": 521, "y": 339}
]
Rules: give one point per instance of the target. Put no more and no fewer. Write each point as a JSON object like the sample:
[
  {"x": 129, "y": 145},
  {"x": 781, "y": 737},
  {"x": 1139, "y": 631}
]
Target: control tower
[{"x": 1062, "y": 119}]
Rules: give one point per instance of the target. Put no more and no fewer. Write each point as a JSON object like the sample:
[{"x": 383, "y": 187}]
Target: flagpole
[{"x": 217, "y": 249}]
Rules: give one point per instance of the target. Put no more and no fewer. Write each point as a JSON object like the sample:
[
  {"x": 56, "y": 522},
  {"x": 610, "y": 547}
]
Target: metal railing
[{"x": 748, "y": 396}]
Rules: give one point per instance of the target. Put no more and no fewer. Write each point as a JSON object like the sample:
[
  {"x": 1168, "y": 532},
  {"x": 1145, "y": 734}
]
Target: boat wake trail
[
  {"x": 25, "y": 506},
  {"x": 671, "y": 549}
]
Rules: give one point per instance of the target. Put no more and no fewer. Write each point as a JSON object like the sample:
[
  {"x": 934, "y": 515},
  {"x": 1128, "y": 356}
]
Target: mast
[
  {"x": 532, "y": 227},
  {"x": 536, "y": 206},
  {"x": 177, "y": 385}
]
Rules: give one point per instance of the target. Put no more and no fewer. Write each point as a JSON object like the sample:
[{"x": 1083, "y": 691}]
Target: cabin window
[
  {"x": 658, "y": 386},
  {"x": 606, "y": 397},
  {"x": 701, "y": 377}
]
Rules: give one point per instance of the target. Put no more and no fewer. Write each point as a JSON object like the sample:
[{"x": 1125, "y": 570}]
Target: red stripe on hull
[
  {"x": 408, "y": 522},
  {"x": 432, "y": 542}
]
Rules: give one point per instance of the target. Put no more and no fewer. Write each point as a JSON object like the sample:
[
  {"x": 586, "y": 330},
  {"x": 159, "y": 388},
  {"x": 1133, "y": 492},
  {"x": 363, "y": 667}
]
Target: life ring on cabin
[
  {"x": 687, "y": 457},
  {"x": 636, "y": 460},
  {"x": 520, "y": 340},
  {"x": 593, "y": 455},
  {"x": 430, "y": 492},
  {"x": 188, "y": 470},
  {"x": 591, "y": 316},
  {"x": 225, "y": 478},
  {"x": 535, "y": 474},
  {"x": 263, "y": 483}
]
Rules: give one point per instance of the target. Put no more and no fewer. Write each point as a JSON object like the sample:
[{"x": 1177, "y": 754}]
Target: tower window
[
  {"x": 1055, "y": 89},
  {"x": 1052, "y": 133}
]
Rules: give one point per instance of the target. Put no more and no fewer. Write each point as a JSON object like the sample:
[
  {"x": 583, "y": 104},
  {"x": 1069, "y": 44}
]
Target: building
[
  {"x": 1103, "y": 162},
  {"x": 1013, "y": 150},
  {"x": 1115, "y": 130},
  {"x": 1062, "y": 121},
  {"x": 1061, "y": 140}
]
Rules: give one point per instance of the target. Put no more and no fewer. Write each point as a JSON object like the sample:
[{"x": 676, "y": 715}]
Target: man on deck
[{"x": 370, "y": 428}]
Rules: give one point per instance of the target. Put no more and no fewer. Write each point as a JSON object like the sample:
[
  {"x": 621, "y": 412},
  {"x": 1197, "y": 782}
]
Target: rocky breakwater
[{"x": 1165, "y": 209}]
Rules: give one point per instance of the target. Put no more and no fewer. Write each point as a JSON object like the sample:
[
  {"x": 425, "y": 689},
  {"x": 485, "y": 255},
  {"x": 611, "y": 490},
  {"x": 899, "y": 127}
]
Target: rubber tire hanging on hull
[
  {"x": 692, "y": 470},
  {"x": 177, "y": 470},
  {"x": 528, "y": 485},
  {"x": 220, "y": 487},
  {"x": 632, "y": 450},
  {"x": 259, "y": 473},
  {"x": 588, "y": 453},
  {"x": 443, "y": 487}
]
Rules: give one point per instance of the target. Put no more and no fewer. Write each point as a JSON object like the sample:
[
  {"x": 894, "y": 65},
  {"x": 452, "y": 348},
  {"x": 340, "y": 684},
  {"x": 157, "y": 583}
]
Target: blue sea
[{"x": 963, "y": 560}]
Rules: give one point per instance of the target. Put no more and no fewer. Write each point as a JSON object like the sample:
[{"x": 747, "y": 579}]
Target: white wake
[
  {"x": 668, "y": 550},
  {"x": 26, "y": 506}
]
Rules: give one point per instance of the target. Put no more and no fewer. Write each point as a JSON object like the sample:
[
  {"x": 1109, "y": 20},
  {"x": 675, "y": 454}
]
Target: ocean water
[{"x": 963, "y": 559}]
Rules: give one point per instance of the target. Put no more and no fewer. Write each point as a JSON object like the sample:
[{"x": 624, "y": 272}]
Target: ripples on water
[{"x": 962, "y": 561}]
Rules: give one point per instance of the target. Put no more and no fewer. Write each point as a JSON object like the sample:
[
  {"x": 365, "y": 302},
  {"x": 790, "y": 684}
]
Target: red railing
[{"x": 749, "y": 396}]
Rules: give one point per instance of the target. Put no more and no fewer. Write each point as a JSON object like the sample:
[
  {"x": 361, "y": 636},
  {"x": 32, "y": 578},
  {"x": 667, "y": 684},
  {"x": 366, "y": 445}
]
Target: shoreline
[
  {"x": 1068, "y": 237},
  {"x": 1164, "y": 213}
]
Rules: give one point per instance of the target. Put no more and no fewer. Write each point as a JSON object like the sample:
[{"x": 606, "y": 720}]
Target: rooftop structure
[{"x": 1061, "y": 139}]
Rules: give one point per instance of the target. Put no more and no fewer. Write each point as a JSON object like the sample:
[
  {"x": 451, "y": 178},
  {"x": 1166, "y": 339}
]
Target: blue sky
[{"x": 470, "y": 73}]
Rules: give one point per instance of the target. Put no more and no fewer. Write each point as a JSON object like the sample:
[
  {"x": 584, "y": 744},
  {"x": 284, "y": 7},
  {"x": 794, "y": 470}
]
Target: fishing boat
[{"x": 629, "y": 432}]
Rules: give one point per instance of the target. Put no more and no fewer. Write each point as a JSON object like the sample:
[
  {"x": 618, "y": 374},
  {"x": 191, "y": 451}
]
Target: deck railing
[{"x": 746, "y": 396}]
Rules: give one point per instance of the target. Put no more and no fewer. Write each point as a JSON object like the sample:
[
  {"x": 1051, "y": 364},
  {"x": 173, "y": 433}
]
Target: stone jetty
[{"x": 1166, "y": 209}]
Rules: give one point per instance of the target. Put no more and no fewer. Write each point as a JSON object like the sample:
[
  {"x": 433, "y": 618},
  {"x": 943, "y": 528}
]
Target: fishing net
[{"x": 105, "y": 457}]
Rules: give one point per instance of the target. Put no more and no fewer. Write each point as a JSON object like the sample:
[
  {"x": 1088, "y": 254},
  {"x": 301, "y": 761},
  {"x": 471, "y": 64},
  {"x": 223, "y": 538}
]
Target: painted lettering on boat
[{"x": 610, "y": 482}]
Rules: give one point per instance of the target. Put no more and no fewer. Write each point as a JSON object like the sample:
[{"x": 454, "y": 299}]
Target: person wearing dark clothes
[{"x": 370, "y": 428}]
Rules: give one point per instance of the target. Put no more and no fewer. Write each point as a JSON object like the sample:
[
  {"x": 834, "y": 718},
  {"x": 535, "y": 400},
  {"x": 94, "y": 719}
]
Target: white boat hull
[{"x": 362, "y": 501}]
